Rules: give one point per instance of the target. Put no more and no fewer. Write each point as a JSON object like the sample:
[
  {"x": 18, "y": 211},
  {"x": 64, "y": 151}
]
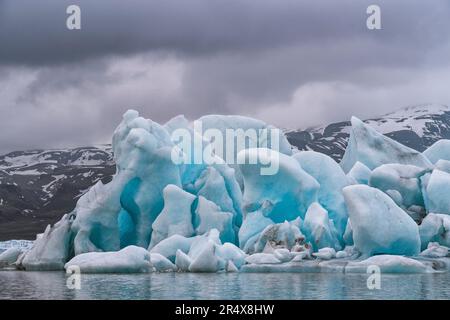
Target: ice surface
[
  {"x": 262, "y": 258},
  {"x": 254, "y": 223},
  {"x": 359, "y": 174},
  {"x": 319, "y": 229},
  {"x": 161, "y": 263},
  {"x": 176, "y": 216},
  {"x": 435, "y": 228},
  {"x": 348, "y": 234},
  {"x": 434, "y": 250},
  {"x": 443, "y": 165},
  {"x": 388, "y": 264},
  {"x": 405, "y": 179},
  {"x": 332, "y": 180},
  {"x": 131, "y": 259},
  {"x": 436, "y": 192},
  {"x": 169, "y": 247},
  {"x": 285, "y": 235},
  {"x": 289, "y": 191},
  {"x": 439, "y": 150},
  {"x": 51, "y": 249},
  {"x": 142, "y": 152},
  {"x": 9, "y": 257},
  {"x": 373, "y": 149},
  {"x": 209, "y": 216},
  {"x": 379, "y": 225},
  {"x": 182, "y": 261},
  {"x": 325, "y": 254},
  {"x": 228, "y": 252}
]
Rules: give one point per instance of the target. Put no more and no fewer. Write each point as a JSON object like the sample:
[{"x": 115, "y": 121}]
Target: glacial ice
[
  {"x": 131, "y": 259},
  {"x": 9, "y": 257},
  {"x": 161, "y": 263},
  {"x": 379, "y": 225},
  {"x": 287, "y": 211},
  {"x": 373, "y": 149},
  {"x": 435, "y": 228},
  {"x": 51, "y": 250},
  {"x": 286, "y": 235},
  {"x": 405, "y": 179},
  {"x": 262, "y": 258},
  {"x": 209, "y": 216},
  {"x": 175, "y": 217},
  {"x": 182, "y": 261},
  {"x": 436, "y": 188},
  {"x": 359, "y": 174},
  {"x": 319, "y": 229},
  {"x": 332, "y": 180},
  {"x": 434, "y": 250},
  {"x": 169, "y": 247},
  {"x": 388, "y": 264},
  {"x": 289, "y": 191},
  {"x": 325, "y": 253},
  {"x": 440, "y": 150}
]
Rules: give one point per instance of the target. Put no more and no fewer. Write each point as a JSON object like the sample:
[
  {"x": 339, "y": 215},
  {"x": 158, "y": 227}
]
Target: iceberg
[
  {"x": 267, "y": 208},
  {"x": 379, "y": 225},
  {"x": 209, "y": 216},
  {"x": 325, "y": 254},
  {"x": 434, "y": 250},
  {"x": 175, "y": 217},
  {"x": 404, "y": 180},
  {"x": 9, "y": 257},
  {"x": 142, "y": 152},
  {"x": 289, "y": 191},
  {"x": 435, "y": 228},
  {"x": 440, "y": 150},
  {"x": 436, "y": 188},
  {"x": 51, "y": 250},
  {"x": 262, "y": 258},
  {"x": 168, "y": 247},
  {"x": 279, "y": 235},
  {"x": 182, "y": 261},
  {"x": 319, "y": 229},
  {"x": 131, "y": 259},
  {"x": 359, "y": 174},
  {"x": 332, "y": 180},
  {"x": 373, "y": 149},
  {"x": 161, "y": 263},
  {"x": 388, "y": 264}
]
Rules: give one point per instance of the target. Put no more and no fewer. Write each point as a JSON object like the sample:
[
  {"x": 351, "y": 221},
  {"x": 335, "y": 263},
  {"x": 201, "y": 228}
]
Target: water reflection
[{"x": 52, "y": 285}]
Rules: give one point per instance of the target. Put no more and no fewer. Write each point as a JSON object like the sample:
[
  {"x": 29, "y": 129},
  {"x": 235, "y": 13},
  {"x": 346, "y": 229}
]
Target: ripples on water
[{"x": 52, "y": 285}]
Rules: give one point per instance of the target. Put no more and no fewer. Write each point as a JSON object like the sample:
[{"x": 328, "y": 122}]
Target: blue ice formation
[
  {"x": 373, "y": 149},
  {"x": 379, "y": 225},
  {"x": 264, "y": 208},
  {"x": 440, "y": 150},
  {"x": 332, "y": 180}
]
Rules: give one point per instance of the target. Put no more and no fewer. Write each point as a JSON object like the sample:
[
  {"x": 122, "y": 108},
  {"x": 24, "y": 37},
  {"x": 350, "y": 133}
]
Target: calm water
[{"x": 52, "y": 285}]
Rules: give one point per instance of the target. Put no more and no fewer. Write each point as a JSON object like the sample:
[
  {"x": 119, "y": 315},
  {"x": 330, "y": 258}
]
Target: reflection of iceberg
[{"x": 234, "y": 213}]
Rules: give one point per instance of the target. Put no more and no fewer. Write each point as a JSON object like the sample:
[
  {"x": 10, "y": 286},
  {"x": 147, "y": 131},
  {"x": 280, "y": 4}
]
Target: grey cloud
[{"x": 34, "y": 32}]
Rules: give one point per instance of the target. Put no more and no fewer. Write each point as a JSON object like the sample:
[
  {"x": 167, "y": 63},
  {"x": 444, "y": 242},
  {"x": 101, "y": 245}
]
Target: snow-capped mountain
[
  {"x": 38, "y": 187},
  {"x": 417, "y": 127}
]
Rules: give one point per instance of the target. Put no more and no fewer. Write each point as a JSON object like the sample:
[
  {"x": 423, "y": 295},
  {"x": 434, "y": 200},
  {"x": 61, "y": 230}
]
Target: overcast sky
[{"x": 292, "y": 63}]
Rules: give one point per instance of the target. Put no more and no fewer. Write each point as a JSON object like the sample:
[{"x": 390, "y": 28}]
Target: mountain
[
  {"x": 37, "y": 187},
  {"x": 417, "y": 127}
]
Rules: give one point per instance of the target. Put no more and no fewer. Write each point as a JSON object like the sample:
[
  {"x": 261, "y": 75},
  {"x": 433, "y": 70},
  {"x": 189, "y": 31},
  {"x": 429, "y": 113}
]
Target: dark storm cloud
[
  {"x": 291, "y": 62},
  {"x": 34, "y": 32}
]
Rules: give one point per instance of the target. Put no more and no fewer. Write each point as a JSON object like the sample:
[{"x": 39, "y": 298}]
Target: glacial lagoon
[{"x": 259, "y": 286}]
